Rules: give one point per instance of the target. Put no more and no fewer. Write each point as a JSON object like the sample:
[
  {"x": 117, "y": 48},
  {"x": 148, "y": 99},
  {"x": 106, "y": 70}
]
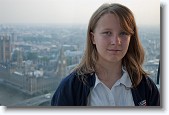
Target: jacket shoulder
[
  {"x": 63, "y": 94},
  {"x": 69, "y": 79},
  {"x": 72, "y": 91}
]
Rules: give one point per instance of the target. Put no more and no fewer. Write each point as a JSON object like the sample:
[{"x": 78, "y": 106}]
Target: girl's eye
[
  {"x": 123, "y": 33},
  {"x": 107, "y": 33}
]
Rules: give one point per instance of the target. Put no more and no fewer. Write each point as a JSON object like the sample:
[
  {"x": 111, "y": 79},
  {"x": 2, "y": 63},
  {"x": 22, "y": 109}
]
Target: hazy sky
[{"x": 147, "y": 12}]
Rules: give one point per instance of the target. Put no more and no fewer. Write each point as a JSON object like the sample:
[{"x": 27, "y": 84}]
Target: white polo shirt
[{"x": 119, "y": 95}]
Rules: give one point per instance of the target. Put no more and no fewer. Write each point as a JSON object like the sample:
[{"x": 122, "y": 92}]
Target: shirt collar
[
  {"x": 125, "y": 79},
  {"x": 97, "y": 81}
]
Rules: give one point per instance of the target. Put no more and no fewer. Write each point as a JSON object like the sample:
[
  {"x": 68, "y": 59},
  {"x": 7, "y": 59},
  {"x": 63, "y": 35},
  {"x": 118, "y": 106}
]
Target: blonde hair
[{"x": 134, "y": 57}]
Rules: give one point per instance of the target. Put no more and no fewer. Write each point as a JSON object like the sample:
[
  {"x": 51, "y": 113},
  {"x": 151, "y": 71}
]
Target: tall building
[
  {"x": 61, "y": 65},
  {"x": 5, "y": 48},
  {"x": 19, "y": 60}
]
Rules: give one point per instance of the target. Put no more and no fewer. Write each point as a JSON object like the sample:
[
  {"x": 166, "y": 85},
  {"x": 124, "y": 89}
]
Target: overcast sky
[{"x": 147, "y": 12}]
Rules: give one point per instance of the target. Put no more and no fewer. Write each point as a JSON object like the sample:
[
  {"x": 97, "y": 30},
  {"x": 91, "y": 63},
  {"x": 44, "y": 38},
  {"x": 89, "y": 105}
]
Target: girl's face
[{"x": 110, "y": 39}]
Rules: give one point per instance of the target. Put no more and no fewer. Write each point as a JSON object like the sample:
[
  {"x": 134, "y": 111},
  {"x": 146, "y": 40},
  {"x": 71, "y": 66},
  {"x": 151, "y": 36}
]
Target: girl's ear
[{"x": 92, "y": 37}]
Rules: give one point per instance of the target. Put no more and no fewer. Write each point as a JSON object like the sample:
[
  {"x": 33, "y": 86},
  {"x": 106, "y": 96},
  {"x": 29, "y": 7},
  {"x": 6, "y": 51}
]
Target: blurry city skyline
[{"x": 72, "y": 11}]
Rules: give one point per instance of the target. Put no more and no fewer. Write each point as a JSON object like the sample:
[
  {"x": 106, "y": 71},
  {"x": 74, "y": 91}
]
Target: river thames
[{"x": 10, "y": 96}]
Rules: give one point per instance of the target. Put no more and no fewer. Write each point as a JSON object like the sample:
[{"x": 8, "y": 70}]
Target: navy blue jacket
[{"x": 73, "y": 92}]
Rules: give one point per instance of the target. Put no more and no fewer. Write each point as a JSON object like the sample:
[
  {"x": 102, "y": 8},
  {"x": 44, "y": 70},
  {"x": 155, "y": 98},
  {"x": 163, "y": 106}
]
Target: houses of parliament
[{"x": 24, "y": 75}]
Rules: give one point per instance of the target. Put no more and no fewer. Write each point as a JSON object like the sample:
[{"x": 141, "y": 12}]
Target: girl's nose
[{"x": 115, "y": 40}]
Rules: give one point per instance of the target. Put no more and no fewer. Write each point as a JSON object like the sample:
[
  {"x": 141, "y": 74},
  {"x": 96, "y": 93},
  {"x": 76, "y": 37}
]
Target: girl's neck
[{"x": 109, "y": 73}]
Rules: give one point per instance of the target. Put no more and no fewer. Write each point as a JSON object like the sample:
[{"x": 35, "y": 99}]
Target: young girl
[{"x": 110, "y": 72}]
